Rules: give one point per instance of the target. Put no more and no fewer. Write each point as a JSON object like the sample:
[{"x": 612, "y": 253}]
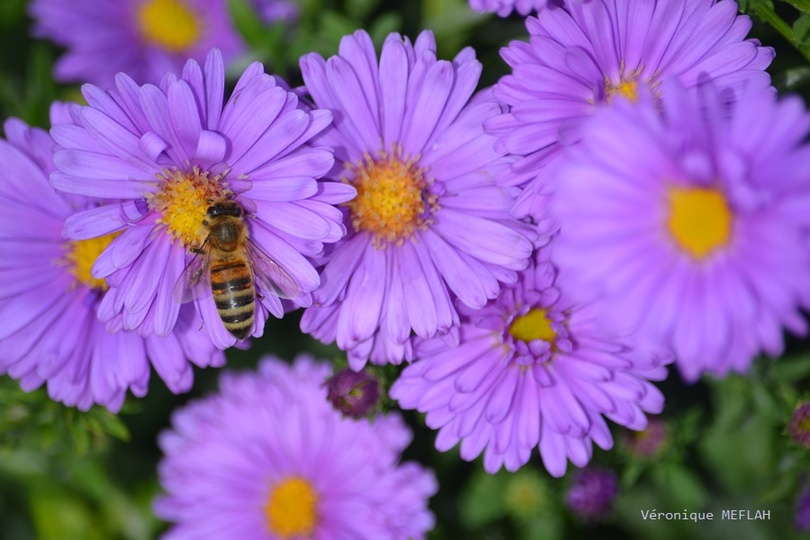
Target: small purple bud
[
  {"x": 649, "y": 442},
  {"x": 800, "y": 425},
  {"x": 354, "y": 393},
  {"x": 591, "y": 493}
]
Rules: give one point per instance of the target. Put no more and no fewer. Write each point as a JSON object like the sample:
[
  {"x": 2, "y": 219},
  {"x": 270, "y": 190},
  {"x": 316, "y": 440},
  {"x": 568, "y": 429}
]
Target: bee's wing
[
  {"x": 270, "y": 275},
  {"x": 185, "y": 289}
]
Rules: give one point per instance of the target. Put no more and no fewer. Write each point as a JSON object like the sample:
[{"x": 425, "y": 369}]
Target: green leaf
[
  {"x": 543, "y": 526},
  {"x": 58, "y": 515},
  {"x": 247, "y": 21},
  {"x": 801, "y": 5},
  {"x": 12, "y": 12},
  {"x": 451, "y": 21},
  {"x": 793, "y": 369},
  {"x": 335, "y": 25},
  {"x": 482, "y": 501},
  {"x": 682, "y": 486},
  {"x": 360, "y": 9},
  {"x": 801, "y": 28},
  {"x": 384, "y": 25},
  {"x": 740, "y": 444}
]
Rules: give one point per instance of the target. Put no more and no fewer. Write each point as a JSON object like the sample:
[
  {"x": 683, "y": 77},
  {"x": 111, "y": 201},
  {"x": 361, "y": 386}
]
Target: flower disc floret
[
  {"x": 169, "y": 24},
  {"x": 532, "y": 326},
  {"x": 82, "y": 254},
  {"x": 292, "y": 508},
  {"x": 700, "y": 220},
  {"x": 183, "y": 201},
  {"x": 392, "y": 200}
]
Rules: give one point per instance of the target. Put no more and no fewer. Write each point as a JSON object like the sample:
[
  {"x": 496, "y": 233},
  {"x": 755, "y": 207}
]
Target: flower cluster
[
  {"x": 580, "y": 58},
  {"x": 649, "y": 138},
  {"x": 632, "y": 194},
  {"x": 268, "y": 457}
]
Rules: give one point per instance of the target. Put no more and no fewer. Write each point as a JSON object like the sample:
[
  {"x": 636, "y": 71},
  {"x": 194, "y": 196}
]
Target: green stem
[
  {"x": 766, "y": 14},
  {"x": 801, "y": 5}
]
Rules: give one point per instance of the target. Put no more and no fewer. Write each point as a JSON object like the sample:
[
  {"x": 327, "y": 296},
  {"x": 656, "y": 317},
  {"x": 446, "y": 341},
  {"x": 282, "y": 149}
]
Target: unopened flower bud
[
  {"x": 590, "y": 495},
  {"x": 354, "y": 393},
  {"x": 649, "y": 442},
  {"x": 800, "y": 425}
]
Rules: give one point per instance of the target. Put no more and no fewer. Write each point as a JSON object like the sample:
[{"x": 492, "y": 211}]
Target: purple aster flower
[
  {"x": 580, "y": 57},
  {"x": 535, "y": 366},
  {"x": 591, "y": 493},
  {"x": 694, "y": 223},
  {"x": 49, "y": 331},
  {"x": 800, "y": 425},
  {"x": 428, "y": 222},
  {"x": 143, "y": 38},
  {"x": 354, "y": 393},
  {"x": 268, "y": 458},
  {"x": 174, "y": 152}
]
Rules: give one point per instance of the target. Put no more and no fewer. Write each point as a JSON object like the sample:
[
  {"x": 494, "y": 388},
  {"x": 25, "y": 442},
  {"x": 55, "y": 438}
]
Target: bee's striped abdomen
[{"x": 234, "y": 296}]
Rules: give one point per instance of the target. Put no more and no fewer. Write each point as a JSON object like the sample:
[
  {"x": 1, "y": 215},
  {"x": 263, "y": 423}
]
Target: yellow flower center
[
  {"x": 534, "y": 325},
  {"x": 292, "y": 508},
  {"x": 391, "y": 201},
  {"x": 169, "y": 24},
  {"x": 699, "y": 220},
  {"x": 628, "y": 89},
  {"x": 183, "y": 201},
  {"x": 81, "y": 256}
]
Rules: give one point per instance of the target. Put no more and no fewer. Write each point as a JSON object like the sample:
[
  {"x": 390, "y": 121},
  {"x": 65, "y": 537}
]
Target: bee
[{"x": 232, "y": 265}]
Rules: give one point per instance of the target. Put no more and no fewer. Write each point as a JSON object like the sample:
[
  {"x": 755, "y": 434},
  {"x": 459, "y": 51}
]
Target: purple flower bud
[
  {"x": 800, "y": 425},
  {"x": 649, "y": 442},
  {"x": 354, "y": 393},
  {"x": 591, "y": 493}
]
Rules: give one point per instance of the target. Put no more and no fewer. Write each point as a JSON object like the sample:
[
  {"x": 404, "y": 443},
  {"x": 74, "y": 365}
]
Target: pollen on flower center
[
  {"x": 699, "y": 220},
  {"x": 628, "y": 89},
  {"x": 81, "y": 255},
  {"x": 392, "y": 201},
  {"x": 532, "y": 326},
  {"x": 169, "y": 24},
  {"x": 183, "y": 201},
  {"x": 292, "y": 508},
  {"x": 627, "y": 86}
]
